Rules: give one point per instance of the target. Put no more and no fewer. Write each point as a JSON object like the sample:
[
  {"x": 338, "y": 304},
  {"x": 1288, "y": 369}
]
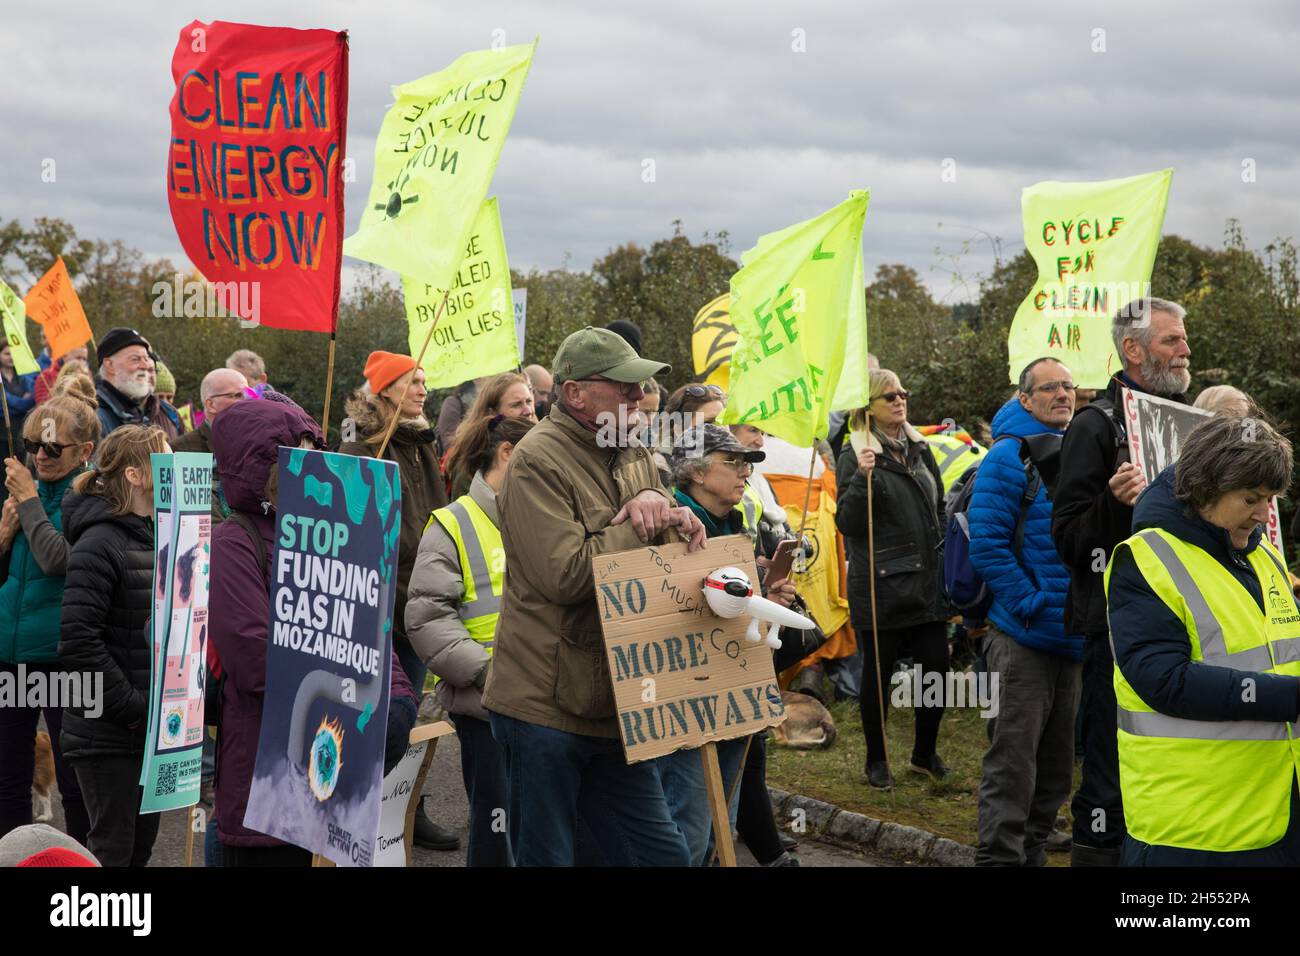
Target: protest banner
[
  {"x": 14, "y": 313},
  {"x": 682, "y": 675},
  {"x": 255, "y": 167},
  {"x": 519, "y": 299},
  {"x": 1094, "y": 244},
  {"x": 713, "y": 337},
  {"x": 320, "y": 754},
  {"x": 476, "y": 336},
  {"x": 173, "y": 755},
  {"x": 53, "y": 304},
  {"x": 799, "y": 308},
  {"x": 434, "y": 158},
  {"x": 403, "y": 786},
  {"x": 1157, "y": 429}
]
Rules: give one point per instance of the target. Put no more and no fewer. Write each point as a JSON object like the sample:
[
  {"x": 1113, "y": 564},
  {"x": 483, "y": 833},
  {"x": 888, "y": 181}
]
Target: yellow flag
[
  {"x": 434, "y": 158},
  {"x": 712, "y": 339},
  {"x": 1095, "y": 245},
  {"x": 476, "y": 334},
  {"x": 799, "y": 306},
  {"x": 14, "y": 314}
]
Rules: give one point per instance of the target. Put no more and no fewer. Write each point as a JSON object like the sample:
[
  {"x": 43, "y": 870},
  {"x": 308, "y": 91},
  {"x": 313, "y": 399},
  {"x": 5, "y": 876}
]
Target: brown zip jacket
[{"x": 561, "y": 490}]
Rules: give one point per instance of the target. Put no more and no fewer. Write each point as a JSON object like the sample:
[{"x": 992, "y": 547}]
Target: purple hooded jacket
[{"x": 245, "y": 441}]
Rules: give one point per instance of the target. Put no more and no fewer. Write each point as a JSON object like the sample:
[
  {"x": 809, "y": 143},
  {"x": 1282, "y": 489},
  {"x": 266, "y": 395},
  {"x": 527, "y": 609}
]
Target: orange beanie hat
[{"x": 385, "y": 368}]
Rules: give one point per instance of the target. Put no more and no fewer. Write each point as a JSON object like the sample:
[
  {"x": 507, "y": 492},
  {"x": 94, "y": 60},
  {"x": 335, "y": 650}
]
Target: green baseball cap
[{"x": 590, "y": 351}]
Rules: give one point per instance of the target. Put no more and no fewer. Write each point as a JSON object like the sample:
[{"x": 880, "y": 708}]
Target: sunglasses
[
  {"x": 736, "y": 464},
  {"x": 890, "y": 397},
  {"x": 623, "y": 388},
  {"x": 701, "y": 391},
  {"x": 52, "y": 448}
]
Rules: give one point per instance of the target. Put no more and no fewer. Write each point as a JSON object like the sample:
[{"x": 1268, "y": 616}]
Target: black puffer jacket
[
  {"x": 909, "y": 518},
  {"x": 105, "y": 625}
]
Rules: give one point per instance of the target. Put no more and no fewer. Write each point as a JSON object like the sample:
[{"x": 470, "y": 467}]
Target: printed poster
[{"x": 318, "y": 777}]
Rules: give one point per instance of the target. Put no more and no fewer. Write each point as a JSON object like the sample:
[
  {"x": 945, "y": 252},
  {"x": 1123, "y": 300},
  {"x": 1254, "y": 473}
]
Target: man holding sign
[{"x": 577, "y": 486}]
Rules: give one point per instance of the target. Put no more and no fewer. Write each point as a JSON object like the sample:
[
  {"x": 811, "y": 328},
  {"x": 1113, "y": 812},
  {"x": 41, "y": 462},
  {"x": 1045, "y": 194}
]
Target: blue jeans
[
  {"x": 681, "y": 774},
  {"x": 562, "y": 782},
  {"x": 483, "y": 768}
]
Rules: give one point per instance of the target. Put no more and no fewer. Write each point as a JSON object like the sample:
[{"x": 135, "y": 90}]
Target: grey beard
[
  {"x": 134, "y": 387},
  {"x": 1164, "y": 379}
]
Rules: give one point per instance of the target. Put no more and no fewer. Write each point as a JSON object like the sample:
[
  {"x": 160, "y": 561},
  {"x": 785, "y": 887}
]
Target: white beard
[{"x": 134, "y": 385}]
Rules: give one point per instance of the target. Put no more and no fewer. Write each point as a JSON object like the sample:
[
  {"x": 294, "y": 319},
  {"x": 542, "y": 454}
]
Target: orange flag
[{"x": 53, "y": 304}]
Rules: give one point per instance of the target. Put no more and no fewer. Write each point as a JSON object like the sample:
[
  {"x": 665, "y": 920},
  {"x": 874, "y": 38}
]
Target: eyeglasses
[
  {"x": 1053, "y": 387},
  {"x": 890, "y": 397},
  {"x": 235, "y": 395},
  {"x": 52, "y": 448},
  {"x": 702, "y": 391},
  {"x": 624, "y": 388},
  {"x": 741, "y": 465}
]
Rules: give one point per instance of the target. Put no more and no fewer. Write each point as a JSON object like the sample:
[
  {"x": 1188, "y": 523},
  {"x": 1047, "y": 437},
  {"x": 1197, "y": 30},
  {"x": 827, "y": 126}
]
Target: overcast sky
[{"x": 747, "y": 133}]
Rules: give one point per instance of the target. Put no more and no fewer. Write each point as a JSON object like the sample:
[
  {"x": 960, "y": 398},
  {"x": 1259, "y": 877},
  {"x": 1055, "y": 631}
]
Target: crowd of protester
[{"x": 1122, "y": 620}]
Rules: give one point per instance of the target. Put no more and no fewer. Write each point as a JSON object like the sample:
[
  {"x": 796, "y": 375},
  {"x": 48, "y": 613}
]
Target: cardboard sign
[
  {"x": 53, "y": 303},
  {"x": 1157, "y": 428},
  {"x": 682, "y": 675},
  {"x": 402, "y": 787}
]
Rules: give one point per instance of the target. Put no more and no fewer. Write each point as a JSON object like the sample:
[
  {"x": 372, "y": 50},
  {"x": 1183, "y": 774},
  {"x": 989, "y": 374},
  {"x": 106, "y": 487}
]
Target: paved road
[{"x": 446, "y": 803}]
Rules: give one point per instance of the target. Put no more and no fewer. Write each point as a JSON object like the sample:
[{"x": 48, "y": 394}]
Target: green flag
[
  {"x": 800, "y": 311},
  {"x": 14, "y": 314},
  {"x": 434, "y": 159},
  {"x": 1095, "y": 244},
  {"x": 476, "y": 334}
]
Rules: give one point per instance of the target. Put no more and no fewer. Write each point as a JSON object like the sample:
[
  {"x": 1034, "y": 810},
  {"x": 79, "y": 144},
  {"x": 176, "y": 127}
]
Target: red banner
[{"x": 255, "y": 167}]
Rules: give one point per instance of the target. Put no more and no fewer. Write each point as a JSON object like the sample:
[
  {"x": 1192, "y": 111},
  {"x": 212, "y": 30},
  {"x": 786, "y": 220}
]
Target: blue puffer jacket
[
  {"x": 1029, "y": 591},
  {"x": 31, "y": 601}
]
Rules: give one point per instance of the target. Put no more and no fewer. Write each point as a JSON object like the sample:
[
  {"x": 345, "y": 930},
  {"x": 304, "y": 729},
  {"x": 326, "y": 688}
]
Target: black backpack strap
[{"x": 1107, "y": 409}]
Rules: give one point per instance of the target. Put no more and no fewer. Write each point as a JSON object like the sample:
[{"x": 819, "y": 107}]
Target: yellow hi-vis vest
[
  {"x": 750, "y": 508},
  {"x": 1203, "y": 784},
  {"x": 953, "y": 456},
  {"x": 482, "y": 566}
]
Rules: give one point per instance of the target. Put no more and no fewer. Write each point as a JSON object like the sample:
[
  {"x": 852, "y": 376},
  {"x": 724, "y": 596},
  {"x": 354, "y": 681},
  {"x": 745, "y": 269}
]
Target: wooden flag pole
[
  {"x": 329, "y": 386},
  {"x": 9, "y": 431},
  {"x": 718, "y": 805},
  {"x": 807, "y": 493},
  {"x": 419, "y": 363},
  {"x": 189, "y": 838}
]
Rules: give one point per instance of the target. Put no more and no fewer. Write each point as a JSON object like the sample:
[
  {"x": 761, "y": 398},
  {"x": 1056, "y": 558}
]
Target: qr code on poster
[{"x": 166, "y": 780}]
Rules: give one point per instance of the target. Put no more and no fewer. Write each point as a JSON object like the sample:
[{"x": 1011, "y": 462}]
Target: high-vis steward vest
[
  {"x": 953, "y": 456},
  {"x": 482, "y": 566},
  {"x": 750, "y": 508},
  {"x": 1204, "y": 784}
]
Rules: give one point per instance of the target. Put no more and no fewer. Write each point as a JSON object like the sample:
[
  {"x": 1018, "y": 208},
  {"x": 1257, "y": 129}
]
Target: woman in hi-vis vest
[
  {"x": 451, "y": 615},
  {"x": 1206, "y": 635}
]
